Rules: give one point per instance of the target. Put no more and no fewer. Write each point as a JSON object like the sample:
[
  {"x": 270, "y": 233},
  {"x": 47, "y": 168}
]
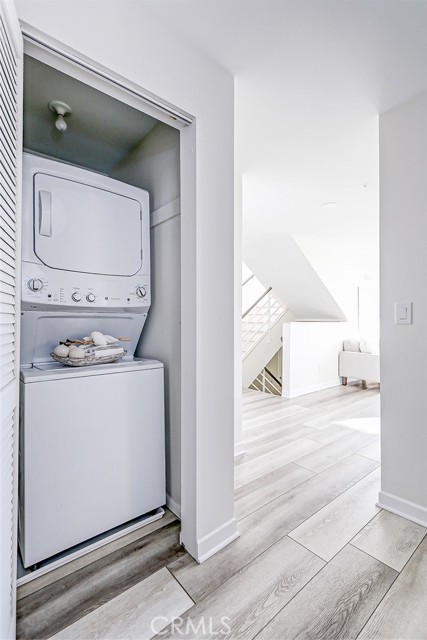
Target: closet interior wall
[{"x": 154, "y": 166}]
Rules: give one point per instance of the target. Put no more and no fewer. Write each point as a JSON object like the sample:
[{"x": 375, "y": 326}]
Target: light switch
[{"x": 403, "y": 313}]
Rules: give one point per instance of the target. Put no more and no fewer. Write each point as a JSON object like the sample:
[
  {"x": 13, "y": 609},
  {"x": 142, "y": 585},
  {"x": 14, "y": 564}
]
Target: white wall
[
  {"x": 154, "y": 165},
  {"x": 348, "y": 266},
  {"x": 251, "y": 292},
  {"x": 403, "y": 224},
  {"x": 125, "y": 37},
  {"x": 369, "y": 309},
  {"x": 310, "y": 356},
  {"x": 277, "y": 260},
  {"x": 162, "y": 339}
]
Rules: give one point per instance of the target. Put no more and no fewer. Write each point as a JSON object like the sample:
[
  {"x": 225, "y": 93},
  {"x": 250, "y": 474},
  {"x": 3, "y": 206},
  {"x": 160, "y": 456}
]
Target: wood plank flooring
[
  {"x": 59, "y": 604},
  {"x": 316, "y": 558},
  {"x": 331, "y": 528},
  {"x": 253, "y": 596},
  {"x": 390, "y": 538},
  {"x": 131, "y": 613},
  {"x": 337, "y": 602},
  {"x": 403, "y": 612},
  {"x": 267, "y": 525}
]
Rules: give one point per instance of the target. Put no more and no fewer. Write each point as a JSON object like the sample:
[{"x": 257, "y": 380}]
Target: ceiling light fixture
[
  {"x": 329, "y": 205},
  {"x": 62, "y": 110}
]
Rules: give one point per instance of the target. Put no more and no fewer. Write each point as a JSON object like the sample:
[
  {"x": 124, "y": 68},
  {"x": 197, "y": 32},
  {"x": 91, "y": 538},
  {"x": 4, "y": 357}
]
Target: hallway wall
[{"x": 403, "y": 223}]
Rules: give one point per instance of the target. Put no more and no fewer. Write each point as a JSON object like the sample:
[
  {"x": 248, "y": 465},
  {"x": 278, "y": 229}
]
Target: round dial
[
  {"x": 91, "y": 297},
  {"x": 141, "y": 292},
  {"x": 35, "y": 284},
  {"x": 76, "y": 296}
]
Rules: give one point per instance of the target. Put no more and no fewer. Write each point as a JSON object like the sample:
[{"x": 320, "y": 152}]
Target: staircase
[
  {"x": 259, "y": 319},
  {"x": 267, "y": 383},
  {"x": 261, "y": 329}
]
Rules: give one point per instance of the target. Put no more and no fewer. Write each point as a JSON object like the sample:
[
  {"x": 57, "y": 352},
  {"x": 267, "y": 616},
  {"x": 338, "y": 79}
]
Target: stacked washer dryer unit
[{"x": 92, "y": 438}]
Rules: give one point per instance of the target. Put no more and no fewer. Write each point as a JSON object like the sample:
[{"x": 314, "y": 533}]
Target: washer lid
[
  {"x": 78, "y": 227},
  {"x": 57, "y": 371}
]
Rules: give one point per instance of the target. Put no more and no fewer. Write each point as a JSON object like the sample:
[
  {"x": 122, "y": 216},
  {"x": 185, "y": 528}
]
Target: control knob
[
  {"x": 141, "y": 292},
  {"x": 76, "y": 296},
  {"x": 35, "y": 284},
  {"x": 91, "y": 297}
]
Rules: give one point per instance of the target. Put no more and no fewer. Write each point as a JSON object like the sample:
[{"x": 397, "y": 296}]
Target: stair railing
[
  {"x": 267, "y": 383},
  {"x": 259, "y": 319},
  {"x": 248, "y": 279},
  {"x": 262, "y": 296}
]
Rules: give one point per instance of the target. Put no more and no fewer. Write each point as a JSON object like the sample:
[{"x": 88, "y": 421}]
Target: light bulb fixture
[
  {"x": 62, "y": 110},
  {"x": 329, "y": 205}
]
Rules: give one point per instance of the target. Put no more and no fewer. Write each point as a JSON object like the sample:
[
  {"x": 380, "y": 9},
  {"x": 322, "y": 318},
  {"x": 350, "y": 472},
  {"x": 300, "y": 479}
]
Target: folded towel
[{"x": 103, "y": 352}]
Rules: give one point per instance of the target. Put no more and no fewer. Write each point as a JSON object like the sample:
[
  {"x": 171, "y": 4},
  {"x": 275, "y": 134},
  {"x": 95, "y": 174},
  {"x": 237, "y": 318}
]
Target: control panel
[{"x": 42, "y": 286}]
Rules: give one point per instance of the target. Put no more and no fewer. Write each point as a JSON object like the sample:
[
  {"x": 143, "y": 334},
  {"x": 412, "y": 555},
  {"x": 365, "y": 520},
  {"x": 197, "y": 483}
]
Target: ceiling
[
  {"x": 374, "y": 48},
  {"x": 311, "y": 78},
  {"x": 101, "y": 130}
]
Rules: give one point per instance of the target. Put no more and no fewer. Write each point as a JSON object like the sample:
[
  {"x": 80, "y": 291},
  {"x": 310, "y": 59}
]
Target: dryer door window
[{"x": 79, "y": 227}]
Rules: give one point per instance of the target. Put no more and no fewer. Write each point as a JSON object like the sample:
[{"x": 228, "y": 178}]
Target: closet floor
[
  {"x": 316, "y": 557},
  {"x": 57, "y": 600}
]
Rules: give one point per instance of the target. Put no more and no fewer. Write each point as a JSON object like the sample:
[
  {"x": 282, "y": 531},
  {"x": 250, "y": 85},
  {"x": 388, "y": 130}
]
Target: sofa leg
[{"x": 344, "y": 381}]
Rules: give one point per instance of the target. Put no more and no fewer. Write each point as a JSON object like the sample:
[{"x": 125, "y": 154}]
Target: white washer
[{"x": 92, "y": 451}]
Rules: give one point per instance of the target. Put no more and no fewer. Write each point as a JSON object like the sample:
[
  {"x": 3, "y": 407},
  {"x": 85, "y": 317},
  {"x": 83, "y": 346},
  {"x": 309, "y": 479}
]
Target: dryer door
[{"x": 82, "y": 228}]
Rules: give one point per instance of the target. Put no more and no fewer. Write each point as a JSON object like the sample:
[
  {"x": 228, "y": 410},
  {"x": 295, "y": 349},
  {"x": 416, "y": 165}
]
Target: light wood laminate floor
[{"x": 316, "y": 557}]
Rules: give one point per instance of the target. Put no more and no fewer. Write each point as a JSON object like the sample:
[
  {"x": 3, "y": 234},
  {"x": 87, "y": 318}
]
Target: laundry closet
[{"x": 121, "y": 279}]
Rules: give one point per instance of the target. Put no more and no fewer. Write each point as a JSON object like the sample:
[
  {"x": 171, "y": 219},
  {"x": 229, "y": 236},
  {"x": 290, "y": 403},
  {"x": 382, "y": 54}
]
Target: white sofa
[{"x": 361, "y": 366}]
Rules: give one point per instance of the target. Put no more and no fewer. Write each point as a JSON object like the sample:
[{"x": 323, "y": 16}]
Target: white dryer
[{"x": 92, "y": 450}]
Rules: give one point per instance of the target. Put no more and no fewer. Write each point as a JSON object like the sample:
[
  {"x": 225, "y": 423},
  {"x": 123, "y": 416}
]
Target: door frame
[{"x": 65, "y": 59}]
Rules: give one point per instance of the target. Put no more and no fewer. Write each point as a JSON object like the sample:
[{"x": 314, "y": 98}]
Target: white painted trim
[
  {"x": 91, "y": 547},
  {"x": 189, "y": 343},
  {"x": 173, "y": 506},
  {"x": 12, "y": 25},
  {"x": 167, "y": 212},
  {"x": 217, "y": 540},
  {"x": 401, "y": 507},
  {"x": 37, "y": 41},
  {"x": 302, "y": 391},
  {"x": 239, "y": 448}
]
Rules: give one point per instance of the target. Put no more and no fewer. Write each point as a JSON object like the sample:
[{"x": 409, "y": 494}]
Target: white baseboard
[
  {"x": 173, "y": 506},
  {"x": 302, "y": 391},
  {"x": 239, "y": 448},
  {"x": 401, "y": 507},
  {"x": 217, "y": 540}
]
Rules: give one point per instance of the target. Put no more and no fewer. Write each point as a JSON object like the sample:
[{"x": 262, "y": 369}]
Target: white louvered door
[{"x": 11, "y": 67}]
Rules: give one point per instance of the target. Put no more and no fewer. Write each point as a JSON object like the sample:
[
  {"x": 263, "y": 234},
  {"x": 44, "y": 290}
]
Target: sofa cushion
[{"x": 351, "y": 345}]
